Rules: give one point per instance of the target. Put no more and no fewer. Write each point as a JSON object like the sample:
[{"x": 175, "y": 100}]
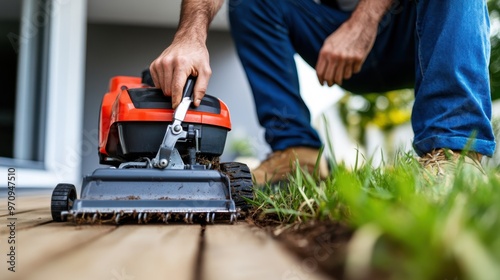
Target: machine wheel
[
  {"x": 63, "y": 197},
  {"x": 241, "y": 183}
]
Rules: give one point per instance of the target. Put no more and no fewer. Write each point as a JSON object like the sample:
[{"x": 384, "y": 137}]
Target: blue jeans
[{"x": 441, "y": 48}]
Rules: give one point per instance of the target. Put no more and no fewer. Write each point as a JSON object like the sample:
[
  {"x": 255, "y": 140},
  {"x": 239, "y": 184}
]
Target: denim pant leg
[
  {"x": 265, "y": 34},
  {"x": 452, "y": 102}
]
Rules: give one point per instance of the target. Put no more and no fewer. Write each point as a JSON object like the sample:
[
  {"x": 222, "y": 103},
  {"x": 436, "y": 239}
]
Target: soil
[{"x": 320, "y": 245}]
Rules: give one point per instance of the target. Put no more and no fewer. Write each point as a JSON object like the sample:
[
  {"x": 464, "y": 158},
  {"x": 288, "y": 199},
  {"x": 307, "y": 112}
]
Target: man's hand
[
  {"x": 345, "y": 50},
  {"x": 188, "y": 53},
  {"x": 180, "y": 60}
]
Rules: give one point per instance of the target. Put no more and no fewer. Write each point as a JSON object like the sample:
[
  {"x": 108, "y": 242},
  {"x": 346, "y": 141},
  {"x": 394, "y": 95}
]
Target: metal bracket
[{"x": 175, "y": 131}]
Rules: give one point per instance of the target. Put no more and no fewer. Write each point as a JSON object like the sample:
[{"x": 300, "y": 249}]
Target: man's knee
[
  {"x": 246, "y": 13},
  {"x": 238, "y": 9},
  {"x": 243, "y": 9},
  {"x": 240, "y": 6}
]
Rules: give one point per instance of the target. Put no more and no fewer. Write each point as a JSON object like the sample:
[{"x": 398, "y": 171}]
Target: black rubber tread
[
  {"x": 62, "y": 200},
  {"x": 241, "y": 183}
]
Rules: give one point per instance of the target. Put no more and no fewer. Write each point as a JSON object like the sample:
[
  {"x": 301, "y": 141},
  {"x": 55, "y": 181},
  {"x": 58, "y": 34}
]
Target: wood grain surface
[{"x": 49, "y": 250}]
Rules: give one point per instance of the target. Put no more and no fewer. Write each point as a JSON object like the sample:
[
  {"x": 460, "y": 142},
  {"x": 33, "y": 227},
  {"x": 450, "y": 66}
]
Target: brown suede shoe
[
  {"x": 442, "y": 161},
  {"x": 279, "y": 164},
  {"x": 441, "y": 167}
]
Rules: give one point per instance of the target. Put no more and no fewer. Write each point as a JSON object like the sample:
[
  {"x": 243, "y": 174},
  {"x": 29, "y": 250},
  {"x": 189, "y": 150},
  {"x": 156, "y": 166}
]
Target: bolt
[
  {"x": 163, "y": 163},
  {"x": 177, "y": 129}
]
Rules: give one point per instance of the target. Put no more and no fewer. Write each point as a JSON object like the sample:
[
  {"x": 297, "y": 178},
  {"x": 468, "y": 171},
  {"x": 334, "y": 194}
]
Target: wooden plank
[
  {"x": 245, "y": 252},
  {"x": 25, "y": 203},
  {"x": 39, "y": 245},
  {"x": 129, "y": 252},
  {"x": 30, "y": 211},
  {"x": 27, "y": 220}
]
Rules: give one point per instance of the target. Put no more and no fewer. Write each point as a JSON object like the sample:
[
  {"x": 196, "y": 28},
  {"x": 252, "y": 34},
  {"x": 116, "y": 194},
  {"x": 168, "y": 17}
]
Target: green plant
[{"x": 407, "y": 226}]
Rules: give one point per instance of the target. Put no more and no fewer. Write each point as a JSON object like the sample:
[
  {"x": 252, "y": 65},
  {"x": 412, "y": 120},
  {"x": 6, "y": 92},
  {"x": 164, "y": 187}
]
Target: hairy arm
[
  {"x": 345, "y": 50},
  {"x": 188, "y": 53}
]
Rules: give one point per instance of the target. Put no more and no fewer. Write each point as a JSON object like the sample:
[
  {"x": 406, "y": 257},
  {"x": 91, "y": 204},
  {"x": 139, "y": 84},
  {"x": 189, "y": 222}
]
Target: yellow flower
[{"x": 399, "y": 116}]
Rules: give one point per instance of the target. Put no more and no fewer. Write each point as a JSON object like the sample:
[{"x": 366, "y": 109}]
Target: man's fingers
[
  {"x": 154, "y": 76},
  {"x": 331, "y": 69},
  {"x": 178, "y": 83},
  {"x": 320, "y": 69},
  {"x": 166, "y": 81},
  {"x": 200, "y": 88},
  {"x": 348, "y": 70},
  {"x": 330, "y": 72},
  {"x": 161, "y": 77},
  {"x": 357, "y": 67},
  {"x": 157, "y": 74},
  {"x": 339, "y": 72}
]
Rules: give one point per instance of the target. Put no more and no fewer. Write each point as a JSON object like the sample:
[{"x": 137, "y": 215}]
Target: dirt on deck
[{"x": 320, "y": 245}]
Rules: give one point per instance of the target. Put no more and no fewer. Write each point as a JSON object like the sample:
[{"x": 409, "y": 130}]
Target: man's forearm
[
  {"x": 196, "y": 16},
  {"x": 371, "y": 11}
]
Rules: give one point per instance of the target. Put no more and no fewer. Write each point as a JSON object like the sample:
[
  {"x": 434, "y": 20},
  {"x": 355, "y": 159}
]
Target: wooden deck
[{"x": 48, "y": 250}]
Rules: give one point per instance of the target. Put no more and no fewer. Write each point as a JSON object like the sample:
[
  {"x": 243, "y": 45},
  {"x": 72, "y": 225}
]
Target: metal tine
[
  {"x": 142, "y": 217},
  {"x": 72, "y": 216}
]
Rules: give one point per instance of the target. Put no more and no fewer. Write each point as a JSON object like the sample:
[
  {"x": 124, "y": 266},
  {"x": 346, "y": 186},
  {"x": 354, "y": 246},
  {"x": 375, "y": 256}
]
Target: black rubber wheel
[
  {"x": 63, "y": 197},
  {"x": 241, "y": 183}
]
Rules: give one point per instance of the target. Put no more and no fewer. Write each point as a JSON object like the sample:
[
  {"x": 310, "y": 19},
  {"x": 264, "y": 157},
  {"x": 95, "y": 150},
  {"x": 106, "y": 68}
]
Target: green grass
[{"x": 406, "y": 224}]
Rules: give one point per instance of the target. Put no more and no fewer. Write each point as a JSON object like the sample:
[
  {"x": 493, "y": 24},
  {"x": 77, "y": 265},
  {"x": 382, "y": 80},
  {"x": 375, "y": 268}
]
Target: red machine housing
[{"x": 134, "y": 117}]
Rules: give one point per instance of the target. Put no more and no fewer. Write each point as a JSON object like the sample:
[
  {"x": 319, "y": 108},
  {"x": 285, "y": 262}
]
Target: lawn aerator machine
[{"x": 164, "y": 163}]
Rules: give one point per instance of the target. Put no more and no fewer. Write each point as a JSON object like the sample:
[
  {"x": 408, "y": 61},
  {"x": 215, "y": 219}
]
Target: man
[{"x": 439, "y": 47}]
